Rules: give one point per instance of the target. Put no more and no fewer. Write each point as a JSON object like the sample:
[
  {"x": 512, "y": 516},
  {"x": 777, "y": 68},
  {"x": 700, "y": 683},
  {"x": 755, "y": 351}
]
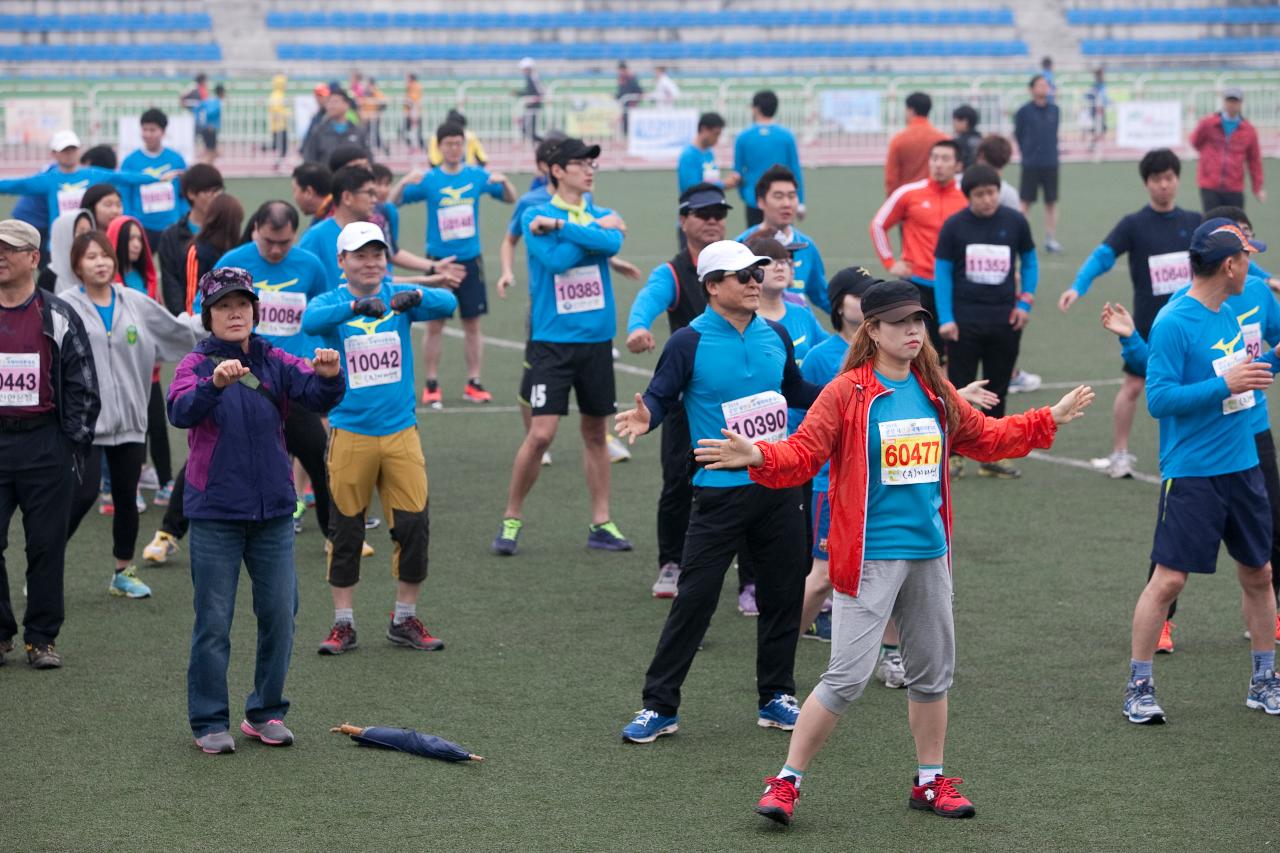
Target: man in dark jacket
[
  {"x": 336, "y": 128},
  {"x": 199, "y": 185},
  {"x": 1035, "y": 127},
  {"x": 48, "y": 406}
]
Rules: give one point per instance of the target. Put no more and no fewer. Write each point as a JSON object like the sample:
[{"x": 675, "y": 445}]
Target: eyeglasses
[
  {"x": 6, "y": 249},
  {"x": 585, "y": 164},
  {"x": 755, "y": 274},
  {"x": 711, "y": 214}
]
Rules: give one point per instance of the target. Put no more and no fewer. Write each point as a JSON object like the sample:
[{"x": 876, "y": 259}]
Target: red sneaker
[
  {"x": 414, "y": 634},
  {"x": 1278, "y": 627},
  {"x": 342, "y": 637},
  {"x": 431, "y": 396},
  {"x": 941, "y": 797},
  {"x": 779, "y": 800},
  {"x": 1165, "y": 645},
  {"x": 475, "y": 393}
]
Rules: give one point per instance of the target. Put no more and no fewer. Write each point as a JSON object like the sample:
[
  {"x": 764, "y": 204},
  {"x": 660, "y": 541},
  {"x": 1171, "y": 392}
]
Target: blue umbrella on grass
[{"x": 406, "y": 740}]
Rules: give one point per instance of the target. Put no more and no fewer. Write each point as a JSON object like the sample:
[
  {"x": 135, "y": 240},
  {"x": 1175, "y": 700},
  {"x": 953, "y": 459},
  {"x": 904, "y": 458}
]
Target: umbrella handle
[
  {"x": 475, "y": 758},
  {"x": 347, "y": 729}
]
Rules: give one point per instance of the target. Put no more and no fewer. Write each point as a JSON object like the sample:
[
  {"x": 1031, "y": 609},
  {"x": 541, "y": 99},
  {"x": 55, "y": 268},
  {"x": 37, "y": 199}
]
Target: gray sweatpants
[{"x": 917, "y": 594}]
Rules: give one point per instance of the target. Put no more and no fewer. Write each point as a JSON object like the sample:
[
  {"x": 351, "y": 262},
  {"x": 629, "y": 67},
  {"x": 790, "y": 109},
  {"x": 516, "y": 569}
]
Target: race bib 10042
[
  {"x": 760, "y": 417},
  {"x": 987, "y": 264},
  {"x": 158, "y": 197},
  {"x": 579, "y": 289},
  {"x": 280, "y": 313},
  {"x": 1170, "y": 272},
  {"x": 373, "y": 359},
  {"x": 457, "y": 222},
  {"x": 20, "y": 379},
  {"x": 910, "y": 452},
  {"x": 1236, "y": 402}
]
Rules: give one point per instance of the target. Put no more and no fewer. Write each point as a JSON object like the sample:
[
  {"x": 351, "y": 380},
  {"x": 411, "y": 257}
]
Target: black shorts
[
  {"x": 552, "y": 369},
  {"x": 208, "y": 138},
  {"x": 472, "y": 298},
  {"x": 1198, "y": 513},
  {"x": 1034, "y": 178}
]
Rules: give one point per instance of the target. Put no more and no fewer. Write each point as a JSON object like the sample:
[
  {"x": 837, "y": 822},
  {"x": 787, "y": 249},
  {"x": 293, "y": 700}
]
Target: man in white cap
[
  {"x": 48, "y": 406},
  {"x": 375, "y": 429},
  {"x": 1227, "y": 143},
  {"x": 730, "y": 368},
  {"x": 63, "y": 187},
  {"x": 531, "y": 94}
]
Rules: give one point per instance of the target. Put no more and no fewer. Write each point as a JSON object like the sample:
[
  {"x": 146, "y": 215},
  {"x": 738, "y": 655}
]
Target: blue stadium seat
[{"x": 1185, "y": 15}]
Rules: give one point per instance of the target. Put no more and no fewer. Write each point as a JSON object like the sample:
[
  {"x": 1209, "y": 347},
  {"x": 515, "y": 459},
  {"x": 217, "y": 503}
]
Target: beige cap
[{"x": 19, "y": 234}]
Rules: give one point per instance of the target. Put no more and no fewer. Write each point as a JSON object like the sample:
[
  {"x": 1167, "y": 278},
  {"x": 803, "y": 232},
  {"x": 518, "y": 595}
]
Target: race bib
[
  {"x": 20, "y": 379},
  {"x": 373, "y": 359},
  {"x": 1236, "y": 402},
  {"x": 987, "y": 264},
  {"x": 69, "y": 200},
  {"x": 1252, "y": 340},
  {"x": 910, "y": 452},
  {"x": 579, "y": 289},
  {"x": 457, "y": 222},
  {"x": 158, "y": 197},
  {"x": 280, "y": 313},
  {"x": 760, "y": 417},
  {"x": 710, "y": 173},
  {"x": 1170, "y": 272}
]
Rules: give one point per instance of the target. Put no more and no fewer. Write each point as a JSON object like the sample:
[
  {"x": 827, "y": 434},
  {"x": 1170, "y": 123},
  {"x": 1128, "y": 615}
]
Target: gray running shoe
[
  {"x": 667, "y": 584},
  {"x": 217, "y": 743},
  {"x": 272, "y": 732},
  {"x": 43, "y": 656},
  {"x": 1140, "y": 705}
]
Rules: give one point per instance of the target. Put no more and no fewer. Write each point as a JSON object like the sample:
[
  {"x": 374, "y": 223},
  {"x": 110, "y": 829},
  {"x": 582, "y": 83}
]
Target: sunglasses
[
  {"x": 711, "y": 214},
  {"x": 755, "y": 274}
]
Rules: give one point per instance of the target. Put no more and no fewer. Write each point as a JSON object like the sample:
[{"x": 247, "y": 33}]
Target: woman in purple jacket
[{"x": 233, "y": 394}]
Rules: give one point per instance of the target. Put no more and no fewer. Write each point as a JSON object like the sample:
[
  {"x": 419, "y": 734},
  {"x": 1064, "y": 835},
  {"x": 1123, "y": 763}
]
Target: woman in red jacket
[{"x": 887, "y": 423}]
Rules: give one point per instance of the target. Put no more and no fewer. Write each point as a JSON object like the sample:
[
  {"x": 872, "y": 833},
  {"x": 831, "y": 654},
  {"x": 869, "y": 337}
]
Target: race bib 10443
[
  {"x": 987, "y": 264},
  {"x": 760, "y": 417},
  {"x": 280, "y": 313},
  {"x": 1236, "y": 402},
  {"x": 20, "y": 379},
  {"x": 373, "y": 359},
  {"x": 457, "y": 222},
  {"x": 158, "y": 197},
  {"x": 910, "y": 452},
  {"x": 579, "y": 289},
  {"x": 1170, "y": 272}
]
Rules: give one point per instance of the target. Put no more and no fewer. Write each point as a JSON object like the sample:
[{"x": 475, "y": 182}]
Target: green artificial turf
[{"x": 546, "y": 651}]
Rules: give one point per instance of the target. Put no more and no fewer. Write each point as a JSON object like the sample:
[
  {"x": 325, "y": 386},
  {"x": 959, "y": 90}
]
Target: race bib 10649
[
  {"x": 373, "y": 359},
  {"x": 910, "y": 452},
  {"x": 1170, "y": 272},
  {"x": 158, "y": 197},
  {"x": 20, "y": 379},
  {"x": 457, "y": 222},
  {"x": 987, "y": 264},
  {"x": 1236, "y": 402},
  {"x": 69, "y": 200},
  {"x": 760, "y": 417},
  {"x": 579, "y": 289},
  {"x": 280, "y": 313}
]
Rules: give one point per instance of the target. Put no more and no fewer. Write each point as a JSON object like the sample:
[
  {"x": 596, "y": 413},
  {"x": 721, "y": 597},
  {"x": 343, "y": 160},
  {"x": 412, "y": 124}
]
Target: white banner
[
  {"x": 854, "y": 110},
  {"x": 660, "y": 134},
  {"x": 304, "y": 109},
  {"x": 1149, "y": 124},
  {"x": 31, "y": 121},
  {"x": 180, "y": 135}
]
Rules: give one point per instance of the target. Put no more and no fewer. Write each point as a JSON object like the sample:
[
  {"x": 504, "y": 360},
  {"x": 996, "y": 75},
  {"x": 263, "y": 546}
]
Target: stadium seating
[
  {"x": 1179, "y": 47},
  {"x": 631, "y": 20},
  {"x": 198, "y": 22},
  {"x": 135, "y": 53},
  {"x": 1165, "y": 15}
]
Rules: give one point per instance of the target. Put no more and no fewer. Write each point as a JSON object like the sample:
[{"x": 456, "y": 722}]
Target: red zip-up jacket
[
  {"x": 921, "y": 207},
  {"x": 1222, "y": 159},
  {"x": 836, "y": 428}
]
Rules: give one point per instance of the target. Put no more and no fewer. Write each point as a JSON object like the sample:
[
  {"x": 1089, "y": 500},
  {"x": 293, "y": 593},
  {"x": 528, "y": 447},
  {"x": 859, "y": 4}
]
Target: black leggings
[
  {"x": 158, "y": 434},
  {"x": 124, "y": 461},
  {"x": 304, "y": 437}
]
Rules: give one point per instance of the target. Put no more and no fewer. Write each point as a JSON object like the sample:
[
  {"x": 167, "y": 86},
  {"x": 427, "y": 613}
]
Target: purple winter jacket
[{"x": 237, "y": 465}]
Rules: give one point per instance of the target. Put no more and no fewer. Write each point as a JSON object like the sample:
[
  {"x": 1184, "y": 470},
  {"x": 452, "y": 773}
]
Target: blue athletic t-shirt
[
  {"x": 133, "y": 278},
  {"x": 321, "y": 240},
  {"x": 904, "y": 458},
  {"x": 453, "y": 209},
  {"x": 696, "y": 166},
  {"x": 805, "y": 334},
  {"x": 159, "y": 205},
  {"x": 284, "y": 289},
  {"x": 820, "y": 366},
  {"x": 105, "y": 312},
  {"x": 570, "y": 287}
]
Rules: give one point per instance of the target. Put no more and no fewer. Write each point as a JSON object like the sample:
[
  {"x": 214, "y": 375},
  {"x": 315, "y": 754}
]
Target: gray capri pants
[{"x": 917, "y": 594}]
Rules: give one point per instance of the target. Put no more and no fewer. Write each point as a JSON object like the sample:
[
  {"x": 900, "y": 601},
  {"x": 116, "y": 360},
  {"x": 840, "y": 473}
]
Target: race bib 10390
[{"x": 760, "y": 417}]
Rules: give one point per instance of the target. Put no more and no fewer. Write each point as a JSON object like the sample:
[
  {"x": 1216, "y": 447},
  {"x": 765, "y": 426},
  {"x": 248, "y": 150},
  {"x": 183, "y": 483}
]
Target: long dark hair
[
  {"x": 221, "y": 227},
  {"x": 863, "y": 350}
]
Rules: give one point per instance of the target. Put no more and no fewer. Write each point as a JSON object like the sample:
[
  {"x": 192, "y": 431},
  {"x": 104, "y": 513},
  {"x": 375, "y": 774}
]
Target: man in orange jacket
[
  {"x": 908, "y": 157},
  {"x": 921, "y": 206}
]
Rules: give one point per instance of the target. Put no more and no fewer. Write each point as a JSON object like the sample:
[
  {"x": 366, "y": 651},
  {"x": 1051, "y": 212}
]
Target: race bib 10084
[
  {"x": 760, "y": 417},
  {"x": 457, "y": 222},
  {"x": 910, "y": 452},
  {"x": 1236, "y": 402},
  {"x": 373, "y": 359},
  {"x": 987, "y": 264},
  {"x": 280, "y": 313},
  {"x": 20, "y": 379},
  {"x": 1170, "y": 272},
  {"x": 579, "y": 289}
]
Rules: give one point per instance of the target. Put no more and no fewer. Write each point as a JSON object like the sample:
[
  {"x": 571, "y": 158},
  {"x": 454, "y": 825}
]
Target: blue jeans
[{"x": 217, "y": 549}]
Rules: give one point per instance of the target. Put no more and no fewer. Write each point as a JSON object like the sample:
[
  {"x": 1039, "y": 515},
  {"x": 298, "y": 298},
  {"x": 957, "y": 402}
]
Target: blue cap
[{"x": 1221, "y": 238}]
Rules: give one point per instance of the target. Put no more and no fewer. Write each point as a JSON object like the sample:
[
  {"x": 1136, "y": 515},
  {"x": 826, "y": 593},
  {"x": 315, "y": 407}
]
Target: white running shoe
[
  {"x": 1024, "y": 382},
  {"x": 891, "y": 670},
  {"x": 668, "y": 581},
  {"x": 618, "y": 451},
  {"x": 1120, "y": 465},
  {"x": 546, "y": 458},
  {"x": 149, "y": 479}
]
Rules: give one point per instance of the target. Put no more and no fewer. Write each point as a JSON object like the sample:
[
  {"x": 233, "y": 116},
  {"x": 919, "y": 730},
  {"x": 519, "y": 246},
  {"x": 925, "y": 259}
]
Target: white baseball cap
[
  {"x": 527, "y": 62},
  {"x": 727, "y": 256},
  {"x": 63, "y": 140},
  {"x": 359, "y": 234}
]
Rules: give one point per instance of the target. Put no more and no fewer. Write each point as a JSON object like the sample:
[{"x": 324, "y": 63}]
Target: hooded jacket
[
  {"x": 61, "y": 235},
  {"x": 142, "y": 332},
  {"x": 146, "y": 263},
  {"x": 237, "y": 466}
]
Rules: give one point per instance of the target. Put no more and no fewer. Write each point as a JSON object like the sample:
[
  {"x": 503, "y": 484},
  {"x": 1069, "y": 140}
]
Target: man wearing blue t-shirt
[
  {"x": 697, "y": 163},
  {"x": 760, "y": 147},
  {"x": 778, "y": 198},
  {"x": 1201, "y": 379},
  {"x": 452, "y": 192},
  {"x": 158, "y": 205}
]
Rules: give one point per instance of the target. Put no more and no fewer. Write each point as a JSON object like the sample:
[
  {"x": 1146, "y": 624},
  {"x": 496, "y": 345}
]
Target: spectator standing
[
  {"x": 761, "y": 147},
  {"x": 1227, "y": 142},
  {"x": 908, "y": 157},
  {"x": 964, "y": 122},
  {"x": 1035, "y": 128},
  {"x": 629, "y": 93},
  {"x": 278, "y": 115},
  {"x": 665, "y": 90},
  {"x": 531, "y": 95}
]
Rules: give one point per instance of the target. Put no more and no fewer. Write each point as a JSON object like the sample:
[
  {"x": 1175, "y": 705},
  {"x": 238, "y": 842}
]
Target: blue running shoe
[
  {"x": 125, "y": 583},
  {"x": 506, "y": 541},
  {"x": 607, "y": 537},
  {"x": 820, "y": 629},
  {"x": 648, "y": 726},
  {"x": 1264, "y": 693},
  {"x": 1140, "y": 705},
  {"x": 781, "y": 713}
]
